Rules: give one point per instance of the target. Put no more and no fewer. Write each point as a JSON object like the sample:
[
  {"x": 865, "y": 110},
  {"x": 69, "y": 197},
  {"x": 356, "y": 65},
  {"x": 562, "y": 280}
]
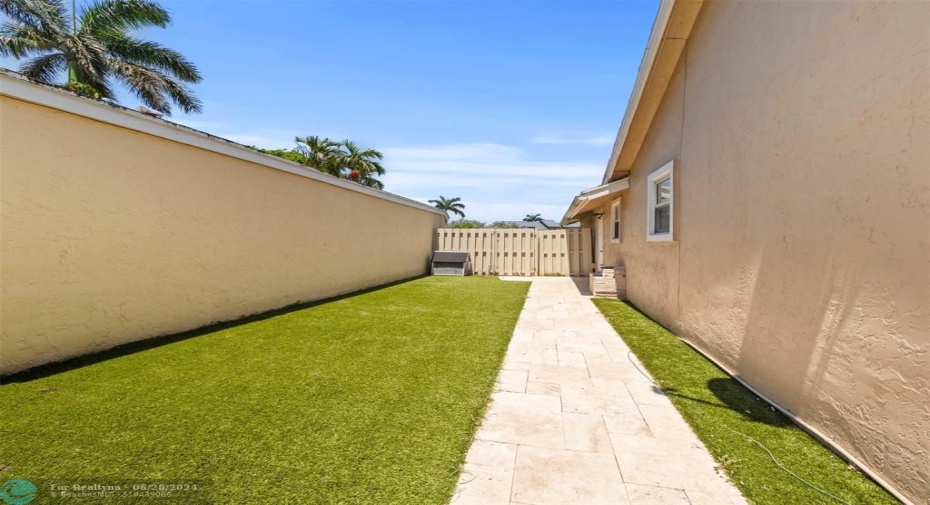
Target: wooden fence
[{"x": 521, "y": 251}]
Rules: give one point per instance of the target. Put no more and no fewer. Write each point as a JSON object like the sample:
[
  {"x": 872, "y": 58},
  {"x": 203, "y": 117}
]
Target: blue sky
[{"x": 510, "y": 105}]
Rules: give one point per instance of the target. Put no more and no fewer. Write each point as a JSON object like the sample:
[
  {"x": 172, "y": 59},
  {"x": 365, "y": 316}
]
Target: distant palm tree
[
  {"x": 532, "y": 218},
  {"x": 362, "y": 165},
  {"x": 341, "y": 159},
  {"x": 319, "y": 153},
  {"x": 448, "y": 205},
  {"x": 95, "y": 47}
]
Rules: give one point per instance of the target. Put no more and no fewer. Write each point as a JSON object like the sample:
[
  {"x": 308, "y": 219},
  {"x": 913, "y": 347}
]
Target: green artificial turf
[
  {"x": 371, "y": 398},
  {"x": 717, "y": 407}
]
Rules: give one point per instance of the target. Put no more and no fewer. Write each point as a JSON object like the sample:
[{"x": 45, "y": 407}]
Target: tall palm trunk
[{"x": 74, "y": 74}]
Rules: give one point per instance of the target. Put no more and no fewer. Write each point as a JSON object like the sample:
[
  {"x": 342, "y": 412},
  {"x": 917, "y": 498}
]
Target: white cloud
[
  {"x": 462, "y": 152},
  {"x": 557, "y": 140},
  {"x": 475, "y": 160},
  {"x": 496, "y": 182}
]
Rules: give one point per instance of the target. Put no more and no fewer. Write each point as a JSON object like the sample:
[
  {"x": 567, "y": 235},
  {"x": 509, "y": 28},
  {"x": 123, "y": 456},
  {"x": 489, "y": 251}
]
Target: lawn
[
  {"x": 723, "y": 413},
  {"x": 370, "y": 398}
]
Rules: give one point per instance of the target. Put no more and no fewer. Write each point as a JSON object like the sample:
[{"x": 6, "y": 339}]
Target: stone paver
[{"x": 572, "y": 421}]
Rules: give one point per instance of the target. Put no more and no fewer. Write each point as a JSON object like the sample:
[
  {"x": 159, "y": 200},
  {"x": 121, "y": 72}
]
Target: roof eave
[
  {"x": 671, "y": 29},
  {"x": 590, "y": 197}
]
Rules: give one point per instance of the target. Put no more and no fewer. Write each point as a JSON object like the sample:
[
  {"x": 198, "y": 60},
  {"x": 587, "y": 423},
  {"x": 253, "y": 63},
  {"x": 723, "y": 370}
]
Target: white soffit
[{"x": 594, "y": 197}]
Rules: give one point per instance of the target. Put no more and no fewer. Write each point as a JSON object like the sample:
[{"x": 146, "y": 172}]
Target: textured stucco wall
[
  {"x": 110, "y": 235},
  {"x": 802, "y": 252},
  {"x": 651, "y": 267}
]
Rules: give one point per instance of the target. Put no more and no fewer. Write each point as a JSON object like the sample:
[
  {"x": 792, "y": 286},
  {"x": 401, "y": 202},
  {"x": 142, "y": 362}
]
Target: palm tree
[
  {"x": 448, "y": 205},
  {"x": 532, "y": 218},
  {"x": 362, "y": 165},
  {"x": 341, "y": 159},
  {"x": 95, "y": 47},
  {"x": 320, "y": 153}
]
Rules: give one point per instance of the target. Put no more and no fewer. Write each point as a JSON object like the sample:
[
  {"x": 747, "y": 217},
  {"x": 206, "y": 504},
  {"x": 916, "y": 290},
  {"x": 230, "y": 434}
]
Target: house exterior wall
[
  {"x": 651, "y": 267},
  {"x": 801, "y": 258},
  {"x": 110, "y": 235}
]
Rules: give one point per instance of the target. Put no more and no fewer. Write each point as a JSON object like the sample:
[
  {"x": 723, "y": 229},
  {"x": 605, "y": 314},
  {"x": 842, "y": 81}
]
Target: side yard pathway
[{"x": 574, "y": 422}]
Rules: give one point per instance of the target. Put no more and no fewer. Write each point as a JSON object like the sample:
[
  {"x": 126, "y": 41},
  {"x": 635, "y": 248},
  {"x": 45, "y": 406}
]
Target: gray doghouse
[{"x": 451, "y": 263}]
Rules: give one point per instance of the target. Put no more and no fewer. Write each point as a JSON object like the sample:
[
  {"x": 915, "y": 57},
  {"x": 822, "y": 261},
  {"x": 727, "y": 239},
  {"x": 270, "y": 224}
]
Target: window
[
  {"x": 661, "y": 211},
  {"x": 615, "y": 221}
]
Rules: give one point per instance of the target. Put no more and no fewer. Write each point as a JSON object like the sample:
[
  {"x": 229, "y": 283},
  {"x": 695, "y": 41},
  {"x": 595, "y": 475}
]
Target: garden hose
[{"x": 629, "y": 356}]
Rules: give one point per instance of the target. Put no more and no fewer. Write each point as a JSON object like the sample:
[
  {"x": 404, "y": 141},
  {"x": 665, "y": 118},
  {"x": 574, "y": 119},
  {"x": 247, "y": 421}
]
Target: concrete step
[{"x": 609, "y": 283}]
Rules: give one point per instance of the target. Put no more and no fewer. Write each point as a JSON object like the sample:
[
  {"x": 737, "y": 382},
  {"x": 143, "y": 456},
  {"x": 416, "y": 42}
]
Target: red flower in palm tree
[{"x": 353, "y": 175}]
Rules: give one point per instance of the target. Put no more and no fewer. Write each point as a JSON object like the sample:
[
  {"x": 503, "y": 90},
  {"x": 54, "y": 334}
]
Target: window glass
[
  {"x": 660, "y": 212},
  {"x": 615, "y": 221},
  {"x": 662, "y": 219},
  {"x": 664, "y": 191}
]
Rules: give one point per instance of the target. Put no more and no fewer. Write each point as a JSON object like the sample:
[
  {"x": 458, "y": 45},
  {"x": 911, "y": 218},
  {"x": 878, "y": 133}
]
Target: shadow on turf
[
  {"x": 734, "y": 396},
  {"x": 58, "y": 367}
]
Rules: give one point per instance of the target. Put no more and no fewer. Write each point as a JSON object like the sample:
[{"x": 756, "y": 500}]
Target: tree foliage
[
  {"x": 362, "y": 165},
  {"x": 467, "y": 224},
  {"x": 532, "y": 218},
  {"x": 96, "y": 47},
  {"x": 345, "y": 159},
  {"x": 288, "y": 154},
  {"x": 503, "y": 224}
]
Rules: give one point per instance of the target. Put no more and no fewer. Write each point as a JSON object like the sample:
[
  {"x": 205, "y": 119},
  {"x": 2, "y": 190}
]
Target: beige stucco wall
[
  {"x": 651, "y": 267},
  {"x": 802, "y": 220},
  {"x": 109, "y": 235}
]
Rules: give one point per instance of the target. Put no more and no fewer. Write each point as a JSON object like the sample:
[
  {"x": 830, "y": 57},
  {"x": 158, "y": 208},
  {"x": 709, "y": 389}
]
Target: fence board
[{"x": 521, "y": 251}]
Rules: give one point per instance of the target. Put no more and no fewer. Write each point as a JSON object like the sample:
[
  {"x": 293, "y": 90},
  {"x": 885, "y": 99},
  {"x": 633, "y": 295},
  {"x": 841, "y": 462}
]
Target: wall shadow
[
  {"x": 791, "y": 336},
  {"x": 582, "y": 284},
  {"x": 57, "y": 367},
  {"x": 740, "y": 399},
  {"x": 735, "y": 397},
  {"x": 732, "y": 395}
]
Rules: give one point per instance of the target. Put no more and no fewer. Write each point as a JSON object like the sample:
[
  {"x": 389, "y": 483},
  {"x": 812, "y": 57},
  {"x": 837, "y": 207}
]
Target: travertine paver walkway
[{"x": 573, "y": 421}]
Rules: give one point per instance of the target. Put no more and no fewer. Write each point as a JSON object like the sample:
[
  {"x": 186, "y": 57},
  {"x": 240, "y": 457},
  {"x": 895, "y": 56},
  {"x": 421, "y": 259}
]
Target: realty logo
[{"x": 17, "y": 492}]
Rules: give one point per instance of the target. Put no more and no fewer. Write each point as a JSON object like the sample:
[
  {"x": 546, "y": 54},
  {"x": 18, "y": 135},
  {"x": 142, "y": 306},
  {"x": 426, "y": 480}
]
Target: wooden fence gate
[{"x": 521, "y": 251}]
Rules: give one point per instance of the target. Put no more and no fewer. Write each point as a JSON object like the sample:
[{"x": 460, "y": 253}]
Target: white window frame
[
  {"x": 615, "y": 218},
  {"x": 666, "y": 171}
]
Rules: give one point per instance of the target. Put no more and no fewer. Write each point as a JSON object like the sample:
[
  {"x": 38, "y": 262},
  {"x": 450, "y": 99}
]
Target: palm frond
[
  {"x": 371, "y": 153},
  {"x": 87, "y": 54},
  {"x": 21, "y": 41},
  {"x": 377, "y": 168},
  {"x": 45, "y": 68},
  {"x": 155, "y": 88},
  {"x": 103, "y": 88},
  {"x": 48, "y": 16},
  {"x": 152, "y": 56},
  {"x": 147, "y": 85},
  {"x": 181, "y": 96},
  {"x": 367, "y": 180},
  {"x": 350, "y": 146},
  {"x": 448, "y": 205},
  {"x": 119, "y": 16}
]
